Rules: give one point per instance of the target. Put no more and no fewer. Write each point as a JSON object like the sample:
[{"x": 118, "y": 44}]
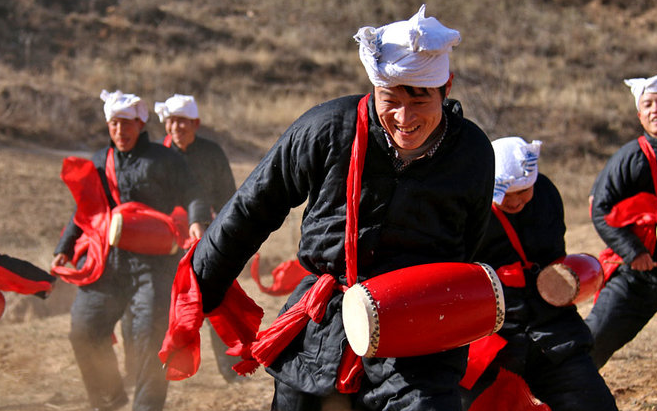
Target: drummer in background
[
  {"x": 546, "y": 345},
  {"x": 156, "y": 176},
  {"x": 210, "y": 167},
  {"x": 419, "y": 204},
  {"x": 629, "y": 299}
]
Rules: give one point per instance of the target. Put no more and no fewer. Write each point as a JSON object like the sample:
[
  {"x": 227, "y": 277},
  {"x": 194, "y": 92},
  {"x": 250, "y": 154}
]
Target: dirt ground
[{"x": 37, "y": 368}]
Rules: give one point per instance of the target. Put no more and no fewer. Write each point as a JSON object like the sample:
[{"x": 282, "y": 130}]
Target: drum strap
[
  {"x": 512, "y": 275},
  {"x": 110, "y": 172},
  {"x": 358, "y": 149},
  {"x": 652, "y": 160}
]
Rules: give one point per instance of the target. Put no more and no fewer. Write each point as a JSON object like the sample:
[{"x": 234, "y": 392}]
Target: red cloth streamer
[
  {"x": 639, "y": 212},
  {"x": 92, "y": 216},
  {"x": 509, "y": 392},
  {"x": 236, "y": 321},
  {"x": 11, "y": 281},
  {"x": 481, "y": 353},
  {"x": 286, "y": 276}
]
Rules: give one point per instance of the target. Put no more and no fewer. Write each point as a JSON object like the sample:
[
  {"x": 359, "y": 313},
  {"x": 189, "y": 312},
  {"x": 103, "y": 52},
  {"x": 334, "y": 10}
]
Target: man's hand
[
  {"x": 59, "y": 260},
  {"x": 643, "y": 262},
  {"x": 196, "y": 231}
]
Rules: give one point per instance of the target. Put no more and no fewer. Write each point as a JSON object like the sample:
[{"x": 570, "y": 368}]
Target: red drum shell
[
  {"x": 141, "y": 233},
  {"x": 571, "y": 279},
  {"x": 423, "y": 309}
]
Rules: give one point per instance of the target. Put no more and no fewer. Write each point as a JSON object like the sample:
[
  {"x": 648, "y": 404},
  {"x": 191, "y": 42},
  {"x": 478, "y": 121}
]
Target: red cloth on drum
[
  {"x": 286, "y": 276},
  {"x": 509, "y": 392},
  {"x": 512, "y": 275},
  {"x": 11, "y": 281},
  {"x": 481, "y": 353},
  {"x": 236, "y": 321}
]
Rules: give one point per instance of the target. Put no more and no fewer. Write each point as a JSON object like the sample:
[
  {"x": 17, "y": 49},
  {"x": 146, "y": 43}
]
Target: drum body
[
  {"x": 423, "y": 309},
  {"x": 571, "y": 279},
  {"x": 141, "y": 233}
]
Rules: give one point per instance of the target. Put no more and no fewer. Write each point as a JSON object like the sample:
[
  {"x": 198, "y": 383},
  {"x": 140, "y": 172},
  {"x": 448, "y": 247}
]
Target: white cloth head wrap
[
  {"x": 640, "y": 86},
  {"x": 122, "y": 105},
  {"x": 516, "y": 165},
  {"x": 412, "y": 52},
  {"x": 179, "y": 105}
]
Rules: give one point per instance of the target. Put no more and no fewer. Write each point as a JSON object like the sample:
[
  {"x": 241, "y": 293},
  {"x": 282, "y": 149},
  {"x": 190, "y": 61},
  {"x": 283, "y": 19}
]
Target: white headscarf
[
  {"x": 122, "y": 105},
  {"x": 179, "y": 105},
  {"x": 640, "y": 86},
  {"x": 516, "y": 165},
  {"x": 412, "y": 52}
]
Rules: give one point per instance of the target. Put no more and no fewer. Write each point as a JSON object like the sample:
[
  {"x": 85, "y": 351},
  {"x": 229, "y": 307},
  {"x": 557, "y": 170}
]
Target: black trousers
[
  {"x": 141, "y": 285},
  {"x": 625, "y": 305}
]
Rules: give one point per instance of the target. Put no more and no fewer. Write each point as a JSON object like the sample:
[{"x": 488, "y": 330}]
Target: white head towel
[
  {"x": 179, "y": 105},
  {"x": 516, "y": 165},
  {"x": 122, "y": 105},
  {"x": 412, "y": 52},
  {"x": 640, "y": 86}
]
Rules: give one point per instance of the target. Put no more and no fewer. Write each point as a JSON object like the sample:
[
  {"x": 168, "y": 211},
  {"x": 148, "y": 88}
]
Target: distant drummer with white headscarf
[
  {"x": 629, "y": 299},
  {"x": 543, "y": 339},
  {"x": 392, "y": 179}
]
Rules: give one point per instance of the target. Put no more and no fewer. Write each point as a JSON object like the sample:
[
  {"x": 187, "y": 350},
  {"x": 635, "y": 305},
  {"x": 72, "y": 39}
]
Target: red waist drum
[
  {"x": 570, "y": 280},
  {"x": 141, "y": 233},
  {"x": 423, "y": 309}
]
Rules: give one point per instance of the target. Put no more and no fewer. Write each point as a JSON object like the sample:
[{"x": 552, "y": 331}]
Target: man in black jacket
[
  {"x": 544, "y": 344},
  {"x": 210, "y": 167},
  {"x": 629, "y": 299},
  {"x": 425, "y": 196},
  {"x": 151, "y": 174}
]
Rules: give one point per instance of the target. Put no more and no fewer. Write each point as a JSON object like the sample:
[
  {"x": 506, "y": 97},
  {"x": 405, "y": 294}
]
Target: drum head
[
  {"x": 115, "y": 229},
  {"x": 360, "y": 321},
  {"x": 558, "y": 285}
]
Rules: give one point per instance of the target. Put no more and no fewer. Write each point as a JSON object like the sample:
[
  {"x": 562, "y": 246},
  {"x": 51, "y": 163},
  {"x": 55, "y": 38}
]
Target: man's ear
[{"x": 448, "y": 85}]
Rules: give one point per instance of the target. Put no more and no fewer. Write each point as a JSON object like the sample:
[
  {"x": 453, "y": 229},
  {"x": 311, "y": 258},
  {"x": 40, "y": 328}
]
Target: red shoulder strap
[
  {"x": 167, "y": 141},
  {"x": 110, "y": 172},
  {"x": 358, "y": 149},
  {"x": 511, "y": 233},
  {"x": 652, "y": 160}
]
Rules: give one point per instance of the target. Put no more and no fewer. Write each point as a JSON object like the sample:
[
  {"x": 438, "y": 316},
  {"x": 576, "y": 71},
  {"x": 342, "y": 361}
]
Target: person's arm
[
  {"x": 621, "y": 178},
  {"x": 66, "y": 245},
  {"x": 259, "y": 207}
]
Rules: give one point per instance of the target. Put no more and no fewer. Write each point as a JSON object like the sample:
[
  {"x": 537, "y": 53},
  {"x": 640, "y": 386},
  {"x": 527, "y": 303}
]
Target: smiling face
[
  {"x": 124, "y": 132},
  {"x": 182, "y": 130},
  {"x": 410, "y": 117},
  {"x": 514, "y": 202},
  {"x": 647, "y": 113}
]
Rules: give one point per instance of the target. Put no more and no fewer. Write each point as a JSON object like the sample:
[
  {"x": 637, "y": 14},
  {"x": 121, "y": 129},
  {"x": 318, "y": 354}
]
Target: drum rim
[
  {"x": 500, "y": 305},
  {"x": 115, "y": 229}
]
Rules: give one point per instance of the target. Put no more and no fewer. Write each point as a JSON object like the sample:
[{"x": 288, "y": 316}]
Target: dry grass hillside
[{"x": 542, "y": 69}]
